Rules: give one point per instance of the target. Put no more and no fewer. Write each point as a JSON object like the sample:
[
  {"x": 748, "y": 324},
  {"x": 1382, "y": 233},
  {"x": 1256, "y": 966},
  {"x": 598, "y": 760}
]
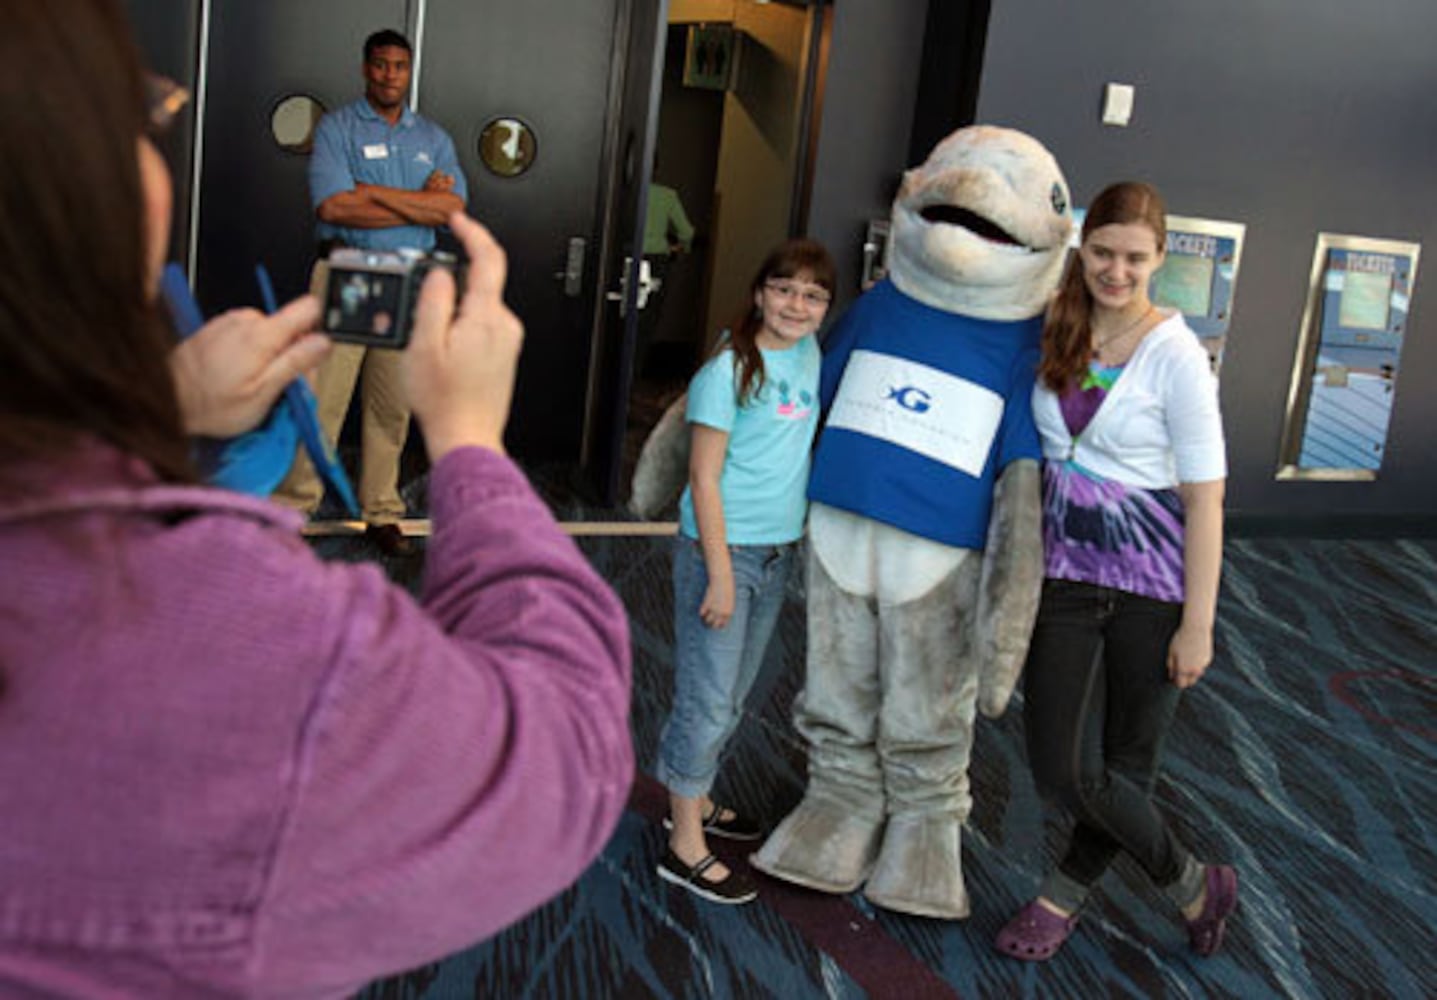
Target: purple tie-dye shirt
[{"x": 1103, "y": 532}]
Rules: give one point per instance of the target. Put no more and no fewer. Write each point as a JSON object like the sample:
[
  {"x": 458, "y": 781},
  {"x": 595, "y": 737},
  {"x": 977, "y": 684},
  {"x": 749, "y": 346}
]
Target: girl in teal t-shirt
[{"x": 753, "y": 411}]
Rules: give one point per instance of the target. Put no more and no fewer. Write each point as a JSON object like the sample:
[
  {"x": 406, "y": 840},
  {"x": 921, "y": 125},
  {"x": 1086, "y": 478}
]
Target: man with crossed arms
[{"x": 381, "y": 178}]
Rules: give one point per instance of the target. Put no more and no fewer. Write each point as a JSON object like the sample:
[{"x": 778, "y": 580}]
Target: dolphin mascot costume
[{"x": 925, "y": 558}]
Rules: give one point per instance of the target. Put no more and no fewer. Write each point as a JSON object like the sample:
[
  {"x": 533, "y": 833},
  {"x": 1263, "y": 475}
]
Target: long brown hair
[
  {"x": 788, "y": 260},
  {"x": 83, "y": 353},
  {"x": 1067, "y": 332}
]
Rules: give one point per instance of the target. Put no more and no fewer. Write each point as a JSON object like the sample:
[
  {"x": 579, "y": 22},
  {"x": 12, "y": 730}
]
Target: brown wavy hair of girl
[
  {"x": 83, "y": 353},
  {"x": 788, "y": 260},
  {"x": 1067, "y": 332}
]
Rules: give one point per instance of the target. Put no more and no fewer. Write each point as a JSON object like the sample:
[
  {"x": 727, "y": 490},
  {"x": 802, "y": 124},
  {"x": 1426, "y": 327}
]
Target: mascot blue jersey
[{"x": 924, "y": 408}]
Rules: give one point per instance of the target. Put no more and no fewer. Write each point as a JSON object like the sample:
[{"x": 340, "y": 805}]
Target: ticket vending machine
[
  {"x": 1344, "y": 377},
  {"x": 1199, "y": 275}
]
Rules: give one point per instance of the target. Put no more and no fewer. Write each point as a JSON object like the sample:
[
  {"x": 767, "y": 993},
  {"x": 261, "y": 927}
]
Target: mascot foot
[
  {"x": 821, "y": 845},
  {"x": 920, "y": 868}
]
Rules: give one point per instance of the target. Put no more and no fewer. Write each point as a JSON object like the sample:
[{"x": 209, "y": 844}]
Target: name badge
[{"x": 376, "y": 151}]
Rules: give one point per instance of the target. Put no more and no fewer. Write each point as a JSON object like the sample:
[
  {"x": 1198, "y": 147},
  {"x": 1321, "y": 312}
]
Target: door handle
[
  {"x": 573, "y": 273},
  {"x": 623, "y": 292},
  {"x": 648, "y": 284},
  {"x": 875, "y": 254}
]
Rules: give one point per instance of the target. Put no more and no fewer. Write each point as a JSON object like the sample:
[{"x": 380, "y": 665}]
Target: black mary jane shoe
[{"x": 732, "y": 889}]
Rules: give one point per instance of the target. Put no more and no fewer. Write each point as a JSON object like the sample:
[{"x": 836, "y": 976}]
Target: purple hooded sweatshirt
[{"x": 228, "y": 768}]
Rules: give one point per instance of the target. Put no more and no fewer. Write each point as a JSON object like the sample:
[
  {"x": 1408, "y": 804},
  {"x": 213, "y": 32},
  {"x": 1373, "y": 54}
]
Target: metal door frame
[
  {"x": 197, "y": 148},
  {"x": 615, "y": 324}
]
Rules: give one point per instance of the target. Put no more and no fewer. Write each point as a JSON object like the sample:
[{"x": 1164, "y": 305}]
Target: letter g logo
[{"x": 911, "y": 398}]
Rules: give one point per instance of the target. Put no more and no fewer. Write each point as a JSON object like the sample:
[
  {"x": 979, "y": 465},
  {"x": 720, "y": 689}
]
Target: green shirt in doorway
[{"x": 666, "y": 222}]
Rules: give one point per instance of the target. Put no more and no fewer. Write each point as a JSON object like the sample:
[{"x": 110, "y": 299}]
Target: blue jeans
[
  {"x": 1097, "y": 706},
  {"x": 715, "y": 668}
]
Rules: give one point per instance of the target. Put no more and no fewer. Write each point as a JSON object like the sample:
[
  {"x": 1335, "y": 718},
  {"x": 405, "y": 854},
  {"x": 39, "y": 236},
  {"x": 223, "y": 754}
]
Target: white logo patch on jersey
[{"x": 940, "y": 416}]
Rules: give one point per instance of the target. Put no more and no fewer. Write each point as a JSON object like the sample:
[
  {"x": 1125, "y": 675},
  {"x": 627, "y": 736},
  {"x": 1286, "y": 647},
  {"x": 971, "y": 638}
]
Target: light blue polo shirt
[
  {"x": 355, "y": 145},
  {"x": 765, "y": 470}
]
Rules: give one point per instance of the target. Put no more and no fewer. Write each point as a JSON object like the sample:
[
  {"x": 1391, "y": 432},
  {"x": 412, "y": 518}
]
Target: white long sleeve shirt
[{"x": 1159, "y": 425}]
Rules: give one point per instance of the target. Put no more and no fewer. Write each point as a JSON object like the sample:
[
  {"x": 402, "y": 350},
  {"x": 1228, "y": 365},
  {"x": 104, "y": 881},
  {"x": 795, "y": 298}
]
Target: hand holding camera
[
  {"x": 460, "y": 365},
  {"x": 229, "y": 374}
]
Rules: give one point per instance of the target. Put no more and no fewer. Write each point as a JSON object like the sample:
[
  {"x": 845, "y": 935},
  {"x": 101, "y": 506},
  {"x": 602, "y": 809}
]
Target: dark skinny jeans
[{"x": 1097, "y": 707}]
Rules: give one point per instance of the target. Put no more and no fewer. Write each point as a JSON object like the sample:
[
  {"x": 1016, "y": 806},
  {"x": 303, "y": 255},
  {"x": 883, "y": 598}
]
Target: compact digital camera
[{"x": 368, "y": 296}]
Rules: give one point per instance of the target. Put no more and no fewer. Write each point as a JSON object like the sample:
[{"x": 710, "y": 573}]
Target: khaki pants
[{"x": 384, "y": 426}]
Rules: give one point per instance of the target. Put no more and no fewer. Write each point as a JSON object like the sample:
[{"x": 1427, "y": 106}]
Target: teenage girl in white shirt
[{"x": 1133, "y": 476}]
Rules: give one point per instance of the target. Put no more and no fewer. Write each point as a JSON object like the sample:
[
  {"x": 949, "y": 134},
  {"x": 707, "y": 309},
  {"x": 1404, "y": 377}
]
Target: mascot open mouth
[{"x": 952, "y": 215}]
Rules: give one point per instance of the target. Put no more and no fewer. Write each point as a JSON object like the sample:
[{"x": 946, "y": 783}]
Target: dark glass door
[
  {"x": 564, "y": 88},
  {"x": 254, "y": 195}
]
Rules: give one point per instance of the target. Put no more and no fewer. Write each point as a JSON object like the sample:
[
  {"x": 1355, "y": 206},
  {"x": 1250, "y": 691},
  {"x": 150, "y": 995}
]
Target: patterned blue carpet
[{"x": 1307, "y": 758}]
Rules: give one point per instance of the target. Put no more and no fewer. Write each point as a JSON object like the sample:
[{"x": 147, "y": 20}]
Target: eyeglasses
[
  {"x": 787, "y": 290},
  {"x": 163, "y": 100}
]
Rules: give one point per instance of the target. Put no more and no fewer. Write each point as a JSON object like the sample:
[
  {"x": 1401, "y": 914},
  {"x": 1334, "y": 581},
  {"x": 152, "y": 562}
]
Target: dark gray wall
[
  {"x": 868, "y": 103},
  {"x": 1291, "y": 118}
]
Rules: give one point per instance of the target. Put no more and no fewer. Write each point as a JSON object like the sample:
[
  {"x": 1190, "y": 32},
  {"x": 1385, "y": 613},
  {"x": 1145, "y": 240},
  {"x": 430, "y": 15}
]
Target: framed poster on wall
[{"x": 711, "y": 56}]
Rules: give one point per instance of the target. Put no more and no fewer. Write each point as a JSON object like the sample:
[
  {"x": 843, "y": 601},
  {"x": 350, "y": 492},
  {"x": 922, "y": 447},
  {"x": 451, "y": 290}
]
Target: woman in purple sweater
[{"x": 226, "y": 767}]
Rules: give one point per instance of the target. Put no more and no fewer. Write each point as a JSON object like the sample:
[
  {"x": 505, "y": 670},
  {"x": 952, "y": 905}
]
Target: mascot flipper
[
  {"x": 663, "y": 466},
  {"x": 926, "y": 553}
]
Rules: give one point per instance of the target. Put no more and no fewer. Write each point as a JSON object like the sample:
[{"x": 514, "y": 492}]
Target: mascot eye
[{"x": 1060, "y": 200}]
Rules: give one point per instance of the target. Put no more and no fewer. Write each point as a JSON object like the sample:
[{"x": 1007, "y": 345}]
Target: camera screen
[{"x": 363, "y": 303}]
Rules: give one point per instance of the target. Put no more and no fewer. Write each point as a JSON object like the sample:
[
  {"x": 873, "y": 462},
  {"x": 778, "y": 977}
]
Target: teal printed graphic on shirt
[
  {"x": 791, "y": 405},
  {"x": 766, "y": 465}
]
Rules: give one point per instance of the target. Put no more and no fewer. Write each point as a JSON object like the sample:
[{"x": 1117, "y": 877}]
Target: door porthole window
[
  {"x": 293, "y": 120},
  {"x": 507, "y": 147}
]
